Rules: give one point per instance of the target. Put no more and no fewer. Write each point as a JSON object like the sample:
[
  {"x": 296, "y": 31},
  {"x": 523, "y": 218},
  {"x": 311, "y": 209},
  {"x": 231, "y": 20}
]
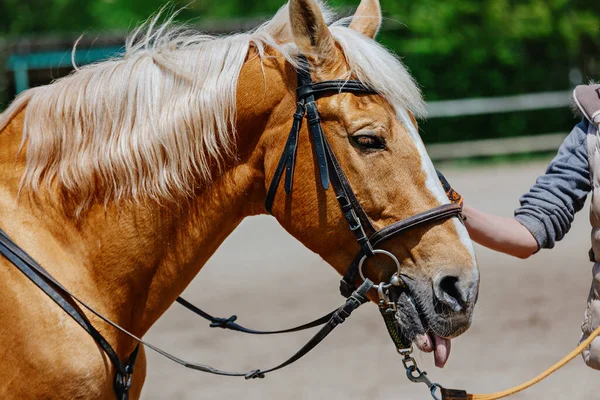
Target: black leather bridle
[
  {"x": 367, "y": 237},
  {"x": 331, "y": 173}
]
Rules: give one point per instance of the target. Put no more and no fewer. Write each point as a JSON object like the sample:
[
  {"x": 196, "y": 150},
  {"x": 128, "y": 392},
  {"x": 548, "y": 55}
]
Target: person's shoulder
[
  {"x": 586, "y": 99},
  {"x": 576, "y": 140},
  {"x": 583, "y": 125}
]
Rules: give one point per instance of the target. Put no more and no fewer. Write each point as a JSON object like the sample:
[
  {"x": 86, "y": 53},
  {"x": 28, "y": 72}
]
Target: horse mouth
[{"x": 429, "y": 325}]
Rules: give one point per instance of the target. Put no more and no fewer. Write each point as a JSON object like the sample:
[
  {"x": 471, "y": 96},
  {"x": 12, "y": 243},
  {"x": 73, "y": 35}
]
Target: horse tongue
[{"x": 442, "y": 350}]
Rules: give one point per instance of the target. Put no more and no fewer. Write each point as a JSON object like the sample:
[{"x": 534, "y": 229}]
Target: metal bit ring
[{"x": 378, "y": 251}]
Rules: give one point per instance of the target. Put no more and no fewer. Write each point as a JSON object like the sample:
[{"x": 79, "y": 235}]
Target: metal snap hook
[{"x": 377, "y": 251}]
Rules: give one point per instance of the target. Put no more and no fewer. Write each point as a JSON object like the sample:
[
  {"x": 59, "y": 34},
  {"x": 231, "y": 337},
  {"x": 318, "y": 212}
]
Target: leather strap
[
  {"x": 438, "y": 213},
  {"x": 287, "y": 160},
  {"x": 340, "y": 180},
  {"x": 435, "y": 214},
  {"x": 319, "y": 89},
  {"x": 229, "y": 323},
  {"x": 314, "y": 127},
  {"x": 355, "y": 216},
  {"x": 13, "y": 253},
  {"x": 63, "y": 298},
  {"x": 357, "y": 298}
]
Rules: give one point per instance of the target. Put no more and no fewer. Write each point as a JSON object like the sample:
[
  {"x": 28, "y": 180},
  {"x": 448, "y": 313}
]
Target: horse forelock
[{"x": 160, "y": 121}]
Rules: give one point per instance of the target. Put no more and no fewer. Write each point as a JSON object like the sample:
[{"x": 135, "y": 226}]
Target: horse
[{"x": 123, "y": 178}]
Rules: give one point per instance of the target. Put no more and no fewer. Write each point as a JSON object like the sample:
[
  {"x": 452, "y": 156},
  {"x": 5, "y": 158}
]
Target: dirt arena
[{"x": 528, "y": 316}]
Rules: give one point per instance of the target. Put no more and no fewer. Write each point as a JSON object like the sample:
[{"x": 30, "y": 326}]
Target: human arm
[
  {"x": 546, "y": 211},
  {"x": 503, "y": 234}
]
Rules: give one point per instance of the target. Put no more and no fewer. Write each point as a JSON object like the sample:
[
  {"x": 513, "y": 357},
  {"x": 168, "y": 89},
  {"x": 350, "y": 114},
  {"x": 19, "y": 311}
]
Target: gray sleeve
[{"x": 549, "y": 207}]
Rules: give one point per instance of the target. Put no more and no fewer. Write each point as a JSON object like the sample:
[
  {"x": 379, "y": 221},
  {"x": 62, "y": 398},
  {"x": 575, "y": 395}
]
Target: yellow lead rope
[{"x": 540, "y": 377}]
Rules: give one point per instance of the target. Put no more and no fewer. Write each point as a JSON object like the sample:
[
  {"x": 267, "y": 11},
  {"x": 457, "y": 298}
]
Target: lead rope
[
  {"x": 387, "y": 308},
  {"x": 462, "y": 395},
  {"x": 416, "y": 375}
]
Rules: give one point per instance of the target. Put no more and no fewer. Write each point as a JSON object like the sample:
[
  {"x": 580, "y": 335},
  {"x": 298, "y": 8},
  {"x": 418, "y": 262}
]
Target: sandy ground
[{"x": 528, "y": 316}]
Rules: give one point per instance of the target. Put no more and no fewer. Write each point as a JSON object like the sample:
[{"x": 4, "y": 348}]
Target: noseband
[{"x": 331, "y": 173}]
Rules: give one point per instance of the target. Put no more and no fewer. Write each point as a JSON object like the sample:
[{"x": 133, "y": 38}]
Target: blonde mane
[{"x": 160, "y": 120}]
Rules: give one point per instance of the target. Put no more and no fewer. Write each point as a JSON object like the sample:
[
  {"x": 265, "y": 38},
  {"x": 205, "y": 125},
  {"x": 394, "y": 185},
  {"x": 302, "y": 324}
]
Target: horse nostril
[{"x": 447, "y": 290}]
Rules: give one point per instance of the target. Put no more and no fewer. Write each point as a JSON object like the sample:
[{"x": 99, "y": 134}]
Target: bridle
[
  {"x": 368, "y": 238},
  {"x": 331, "y": 174}
]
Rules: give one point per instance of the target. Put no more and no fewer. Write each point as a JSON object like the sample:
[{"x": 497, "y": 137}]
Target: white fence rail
[
  {"x": 493, "y": 147},
  {"x": 492, "y": 105}
]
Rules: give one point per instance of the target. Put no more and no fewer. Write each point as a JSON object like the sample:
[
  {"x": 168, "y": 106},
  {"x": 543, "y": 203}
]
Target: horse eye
[{"x": 369, "y": 142}]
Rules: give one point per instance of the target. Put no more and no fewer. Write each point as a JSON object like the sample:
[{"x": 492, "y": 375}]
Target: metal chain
[
  {"x": 414, "y": 373},
  {"x": 387, "y": 307}
]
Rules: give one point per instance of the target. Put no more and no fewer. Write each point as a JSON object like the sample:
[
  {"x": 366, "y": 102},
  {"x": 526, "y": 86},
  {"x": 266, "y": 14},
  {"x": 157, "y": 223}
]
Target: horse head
[{"x": 375, "y": 138}]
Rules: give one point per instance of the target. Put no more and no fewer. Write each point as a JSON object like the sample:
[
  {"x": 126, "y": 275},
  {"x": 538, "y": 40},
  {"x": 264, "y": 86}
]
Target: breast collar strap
[
  {"x": 65, "y": 299},
  {"x": 331, "y": 173}
]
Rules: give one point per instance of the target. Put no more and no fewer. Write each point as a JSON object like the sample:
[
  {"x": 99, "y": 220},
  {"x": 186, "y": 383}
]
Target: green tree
[{"x": 455, "y": 49}]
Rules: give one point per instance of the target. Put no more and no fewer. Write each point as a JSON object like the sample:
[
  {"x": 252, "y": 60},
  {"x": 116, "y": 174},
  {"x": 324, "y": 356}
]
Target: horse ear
[
  {"x": 310, "y": 30},
  {"x": 367, "y": 19}
]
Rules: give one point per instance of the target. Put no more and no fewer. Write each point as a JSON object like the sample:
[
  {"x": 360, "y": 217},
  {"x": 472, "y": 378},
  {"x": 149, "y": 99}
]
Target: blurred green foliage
[
  {"x": 455, "y": 49},
  {"x": 467, "y": 48}
]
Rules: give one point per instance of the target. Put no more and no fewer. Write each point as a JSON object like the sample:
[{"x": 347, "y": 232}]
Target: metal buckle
[
  {"x": 355, "y": 223},
  {"x": 384, "y": 297},
  {"x": 122, "y": 384}
]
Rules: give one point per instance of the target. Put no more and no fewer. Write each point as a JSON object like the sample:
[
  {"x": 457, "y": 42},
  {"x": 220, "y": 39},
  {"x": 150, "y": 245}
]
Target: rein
[{"x": 63, "y": 297}]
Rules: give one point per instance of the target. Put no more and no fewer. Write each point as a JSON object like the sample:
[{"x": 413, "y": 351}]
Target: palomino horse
[{"x": 123, "y": 178}]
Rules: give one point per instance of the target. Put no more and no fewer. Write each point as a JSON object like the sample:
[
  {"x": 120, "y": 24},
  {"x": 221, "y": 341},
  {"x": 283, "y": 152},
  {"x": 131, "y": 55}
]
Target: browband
[{"x": 320, "y": 89}]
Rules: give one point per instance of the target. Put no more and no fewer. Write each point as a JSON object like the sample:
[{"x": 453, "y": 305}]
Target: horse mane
[{"x": 160, "y": 120}]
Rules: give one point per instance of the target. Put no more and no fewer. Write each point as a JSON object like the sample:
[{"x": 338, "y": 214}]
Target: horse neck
[
  {"x": 199, "y": 228},
  {"x": 131, "y": 261},
  {"x": 167, "y": 247}
]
